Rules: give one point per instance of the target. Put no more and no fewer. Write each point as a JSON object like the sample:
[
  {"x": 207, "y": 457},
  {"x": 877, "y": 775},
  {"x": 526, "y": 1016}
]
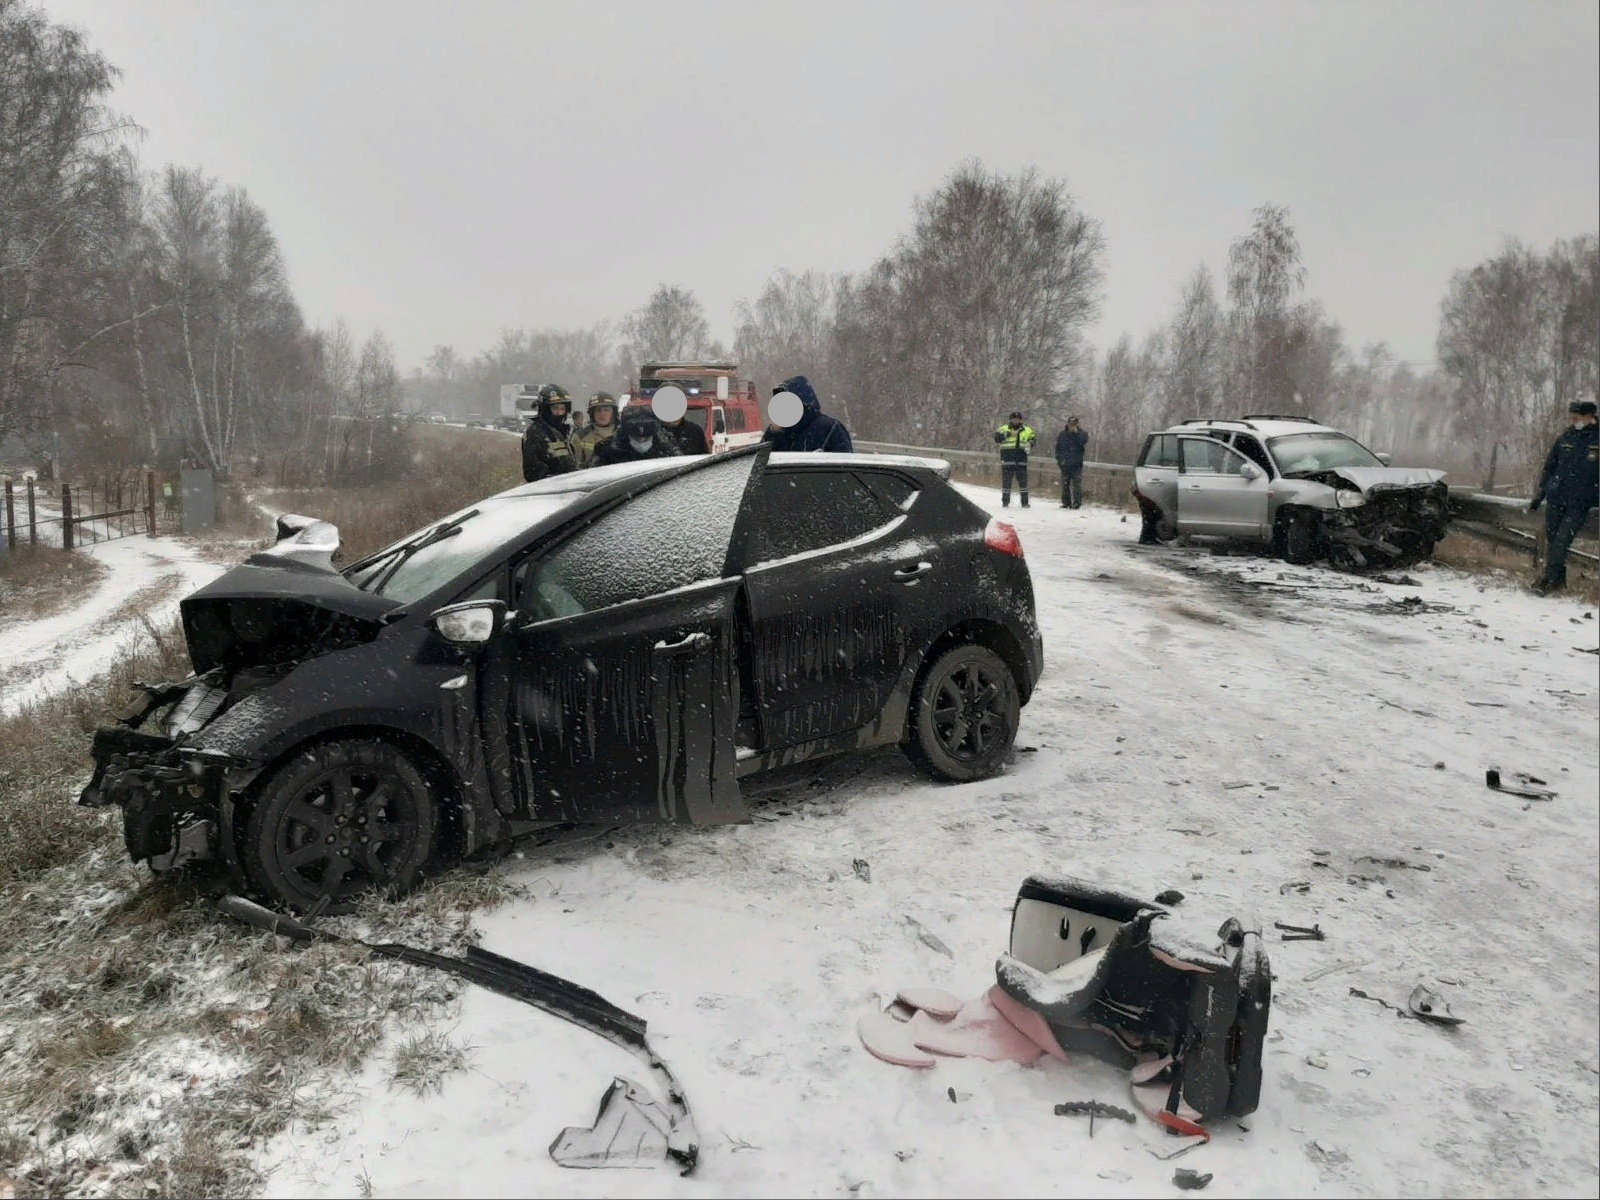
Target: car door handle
[
  {"x": 692, "y": 644},
  {"x": 911, "y": 570}
]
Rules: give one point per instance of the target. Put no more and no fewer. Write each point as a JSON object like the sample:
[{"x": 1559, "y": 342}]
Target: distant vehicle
[
  {"x": 1303, "y": 488},
  {"x": 519, "y": 406},
  {"x": 479, "y": 421},
  {"x": 561, "y": 653},
  {"x": 727, "y": 411},
  {"x": 439, "y": 419}
]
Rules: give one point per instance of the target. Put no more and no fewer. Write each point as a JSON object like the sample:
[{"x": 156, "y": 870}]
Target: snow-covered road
[
  {"x": 145, "y": 576},
  {"x": 1202, "y": 724}
]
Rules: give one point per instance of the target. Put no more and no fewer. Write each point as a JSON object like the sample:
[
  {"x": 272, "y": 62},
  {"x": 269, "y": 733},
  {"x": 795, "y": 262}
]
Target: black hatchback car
[{"x": 619, "y": 644}]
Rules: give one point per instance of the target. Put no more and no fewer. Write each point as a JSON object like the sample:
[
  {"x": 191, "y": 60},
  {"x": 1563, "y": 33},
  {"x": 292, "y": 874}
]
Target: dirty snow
[
  {"x": 1353, "y": 729},
  {"x": 42, "y": 657}
]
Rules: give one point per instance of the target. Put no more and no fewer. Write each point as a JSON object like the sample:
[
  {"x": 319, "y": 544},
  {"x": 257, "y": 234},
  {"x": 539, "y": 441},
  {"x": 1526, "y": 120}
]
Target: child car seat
[{"x": 1111, "y": 978}]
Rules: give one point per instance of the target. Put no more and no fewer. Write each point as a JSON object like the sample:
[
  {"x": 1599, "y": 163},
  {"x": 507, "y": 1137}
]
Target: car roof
[
  {"x": 593, "y": 478},
  {"x": 1268, "y": 427}
]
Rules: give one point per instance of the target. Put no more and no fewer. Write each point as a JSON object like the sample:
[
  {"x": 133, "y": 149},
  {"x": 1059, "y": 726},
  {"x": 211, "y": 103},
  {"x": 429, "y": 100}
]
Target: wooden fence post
[
  {"x": 11, "y": 516},
  {"x": 66, "y": 516},
  {"x": 33, "y": 518},
  {"x": 150, "y": 502}
]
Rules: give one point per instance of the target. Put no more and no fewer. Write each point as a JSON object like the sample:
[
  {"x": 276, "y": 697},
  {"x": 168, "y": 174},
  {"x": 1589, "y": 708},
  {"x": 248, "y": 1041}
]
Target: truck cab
[{"x": 725, "y": 407}]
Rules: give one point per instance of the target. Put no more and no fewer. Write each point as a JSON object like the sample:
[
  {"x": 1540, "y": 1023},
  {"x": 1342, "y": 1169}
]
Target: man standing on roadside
[
  {"x": 1069, "y": 457},
  {"x": 547, "y": 447},
  {"x": 1570, "y": 484},
  {"x": 602, "y": 427},
  {"x": 1015, "y": 438}
]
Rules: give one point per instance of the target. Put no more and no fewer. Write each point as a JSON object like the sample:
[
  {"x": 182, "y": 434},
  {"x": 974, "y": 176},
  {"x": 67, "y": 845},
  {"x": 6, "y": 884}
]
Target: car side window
[
  {"x": 1201, "y": 456},
  {"x": 799, "y": 511},
  {"x": 675, "y": 534},
  {"x": 1160, "y": 451},
  {"x": 895, "y": 492},
  {"x": 1252, "y": 449}
]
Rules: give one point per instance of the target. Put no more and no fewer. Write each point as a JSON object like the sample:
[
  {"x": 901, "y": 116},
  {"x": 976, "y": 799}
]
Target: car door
[
  {"x": 623, "y": 653},
  {"x": 1157, "y": 473},
  {"x": 1219, "y": 490},
  {"x": 834, "y": 570}
]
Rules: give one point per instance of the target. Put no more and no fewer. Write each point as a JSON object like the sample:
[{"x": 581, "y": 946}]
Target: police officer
[
  {"x": 547, "y": 445},
  {"x": 602, "y": 427},
  {"x": 640, "y": 435},
  {"x": 1570, "y": 484},
  {"x": 1014, "y": 438}
]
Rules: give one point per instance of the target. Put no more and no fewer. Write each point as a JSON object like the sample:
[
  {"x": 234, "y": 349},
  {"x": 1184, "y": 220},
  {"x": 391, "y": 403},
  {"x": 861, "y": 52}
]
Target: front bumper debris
[{"x": 170, "y": 794}]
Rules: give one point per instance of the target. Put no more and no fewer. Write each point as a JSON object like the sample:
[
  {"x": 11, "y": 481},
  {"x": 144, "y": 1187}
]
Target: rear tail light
[{"x": 1002, "y": 536}]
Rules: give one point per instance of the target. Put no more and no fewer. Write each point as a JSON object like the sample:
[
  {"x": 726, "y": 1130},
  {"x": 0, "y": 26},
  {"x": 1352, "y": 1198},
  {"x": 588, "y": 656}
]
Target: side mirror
[
  {"x": 722, "y": 387},
  {"x": 470, "y": 624},
  {"x": 1250, "y": 471},
  {"x": 1383, "y": 458}
]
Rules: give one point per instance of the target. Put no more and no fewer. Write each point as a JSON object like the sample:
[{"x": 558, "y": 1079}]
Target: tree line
[{"x": 146, "y": 316}]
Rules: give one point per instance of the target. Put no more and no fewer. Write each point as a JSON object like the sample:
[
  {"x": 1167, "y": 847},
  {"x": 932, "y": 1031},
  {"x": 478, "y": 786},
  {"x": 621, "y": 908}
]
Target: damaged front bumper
[
  {"x": 1393, "y": 524},
  {"x": 172, "y": 795}
]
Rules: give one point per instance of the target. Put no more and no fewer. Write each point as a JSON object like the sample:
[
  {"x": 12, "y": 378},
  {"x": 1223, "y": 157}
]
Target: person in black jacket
[
  {"x": 815, "y": 430},
  {"x": 547, "y": 445},
  {"x": 639, "y": 436},
  {"x": 1069, "y": 457},
  {"x": 688, "y": 437},
  {"x": 1570, "y": 485}
]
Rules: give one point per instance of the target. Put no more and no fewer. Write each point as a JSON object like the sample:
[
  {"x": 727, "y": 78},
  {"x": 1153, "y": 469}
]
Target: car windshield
[
  {"x": 1299, "y": 453},
  {"x": 438, "y": 553}
]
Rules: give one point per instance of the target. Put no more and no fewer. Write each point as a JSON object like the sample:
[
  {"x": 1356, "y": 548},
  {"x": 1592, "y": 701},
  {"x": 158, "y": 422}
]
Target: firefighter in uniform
[
  {"x": 602, "y": 427},
  {"x": 1014, "y": 438},
  {"x": 547, "y": 446},
  {"x": 1570, "y": 485}
]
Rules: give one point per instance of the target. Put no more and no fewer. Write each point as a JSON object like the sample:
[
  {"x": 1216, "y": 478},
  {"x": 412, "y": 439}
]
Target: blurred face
[
  {"x": 604, "y": 417},
  {"x": 558, "y": 410},
  {"x": 1579, "y": 420}
]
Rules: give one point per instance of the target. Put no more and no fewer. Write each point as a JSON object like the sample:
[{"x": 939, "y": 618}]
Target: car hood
[
  {"x": 1376, "y": 479},
  {"x": 272, "y": 610}
]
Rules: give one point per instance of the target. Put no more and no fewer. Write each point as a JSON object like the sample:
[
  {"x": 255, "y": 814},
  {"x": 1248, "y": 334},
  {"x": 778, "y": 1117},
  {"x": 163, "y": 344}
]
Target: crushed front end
[
  {"x": 1388, "y": 526},
  {"x": 170, "y": 793}
]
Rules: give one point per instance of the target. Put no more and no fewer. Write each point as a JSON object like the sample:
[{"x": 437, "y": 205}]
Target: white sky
[{"x": 443, "y": 170}]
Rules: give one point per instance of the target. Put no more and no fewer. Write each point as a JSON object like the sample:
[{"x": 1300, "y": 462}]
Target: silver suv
[{"x": 1307, "y": 490}]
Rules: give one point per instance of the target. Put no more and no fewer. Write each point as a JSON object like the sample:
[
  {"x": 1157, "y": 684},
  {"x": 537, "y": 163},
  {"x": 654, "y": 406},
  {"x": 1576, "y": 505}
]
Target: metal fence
[{"x": 67, "y": 515}]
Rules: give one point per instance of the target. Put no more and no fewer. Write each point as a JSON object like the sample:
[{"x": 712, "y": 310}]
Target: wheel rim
[
  {"x": 969, "y": 718},
  {"x": 347, "y": 830}
]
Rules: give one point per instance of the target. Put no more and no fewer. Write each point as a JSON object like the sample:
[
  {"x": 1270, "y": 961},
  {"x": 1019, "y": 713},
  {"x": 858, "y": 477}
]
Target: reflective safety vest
[{"x": 1014, "y": 443}]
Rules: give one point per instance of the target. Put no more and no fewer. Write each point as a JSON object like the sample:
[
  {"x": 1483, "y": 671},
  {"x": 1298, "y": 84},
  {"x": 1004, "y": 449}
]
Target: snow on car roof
[
  {"x": 1260, "y": 425},
  {"x": 938, "y": 466}
]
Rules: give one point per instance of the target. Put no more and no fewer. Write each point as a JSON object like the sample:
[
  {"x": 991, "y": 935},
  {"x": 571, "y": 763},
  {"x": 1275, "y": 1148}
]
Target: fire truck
[{"x": 724, "y": 406}]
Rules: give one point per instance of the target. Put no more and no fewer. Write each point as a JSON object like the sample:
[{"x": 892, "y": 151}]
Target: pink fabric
[
  {"x": 977, "y": 1031},
  {"x": 1030, "y": 1024},
  {"x": 892, "y": 1040},
  {"x": 936, "y": 1002}
]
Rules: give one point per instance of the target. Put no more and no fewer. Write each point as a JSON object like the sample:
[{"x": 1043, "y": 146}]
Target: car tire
[
  {"x": 1300, "y": 539},
  {"x": 964, "y": 715},
  {"x": 338, "y": 820}
]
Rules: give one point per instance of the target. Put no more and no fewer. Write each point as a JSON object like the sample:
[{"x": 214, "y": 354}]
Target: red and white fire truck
[{"x": 724, "y": 406}]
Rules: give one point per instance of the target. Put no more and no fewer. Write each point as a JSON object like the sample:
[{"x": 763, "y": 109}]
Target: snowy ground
[
  {"x": 146, "y": 577},
  {"x": 1362, "y": 727}
]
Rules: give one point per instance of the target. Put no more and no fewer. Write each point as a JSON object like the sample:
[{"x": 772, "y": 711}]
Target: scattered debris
[
  {"x": 625, "y": 1109},
  {"x": 951, "y": 1092},
  {"x": 1294, "y": 885},
  {"x": 1238, "y": 783},
  {"x": 1320, "y": 853},
  {"x": 1317, "y": 1061},
  {"x": 1529, "y": 787},
  {"x": 1396, "y": 581},
  {"x": 1183, "y": 1149},
  {"x": 1427, "y": 1005},
  {"x": 1398, "y": 864},
  {"x": 1300, "y": 933},
  {"x": 862, "y": 868},
  {"x": 1485, "y": 704},
  {"x": 1170, "y": 896},
  {"x": 1410, "y": 606},
  {"x": 1190, "y": 1181},
  {"x": 928, "y": 939},
  {"x": 1093, "y": 1109},
  {"x": 1438, "y": 766},
  {"x": 1347, "y": 965}
]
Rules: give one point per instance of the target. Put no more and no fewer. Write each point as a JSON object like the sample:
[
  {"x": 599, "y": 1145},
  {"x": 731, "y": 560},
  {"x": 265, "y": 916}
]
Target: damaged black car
[{"x": 617, "y": 645}]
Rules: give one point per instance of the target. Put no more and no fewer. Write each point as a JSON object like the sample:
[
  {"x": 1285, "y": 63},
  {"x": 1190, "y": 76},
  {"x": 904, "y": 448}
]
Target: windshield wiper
[{"x": 427, "y": 538}]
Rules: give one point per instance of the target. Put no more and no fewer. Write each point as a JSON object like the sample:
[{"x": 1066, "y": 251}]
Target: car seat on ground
[{"x": 1112, "y": 978}]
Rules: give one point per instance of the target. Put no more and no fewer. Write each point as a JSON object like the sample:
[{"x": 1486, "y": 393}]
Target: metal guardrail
[{"x": 1502, "y": 520}]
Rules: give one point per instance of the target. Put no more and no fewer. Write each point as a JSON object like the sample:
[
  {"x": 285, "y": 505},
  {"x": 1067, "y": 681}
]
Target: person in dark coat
[
  {"x": 640, "y": 435},
  {"x": 1069, "y": 457},
  {"x": 688, "y": 437},
  {"x": 815, "y": 430},
  {"x": 1570, "y": 485},
  {"x": 547, "y": 444}
]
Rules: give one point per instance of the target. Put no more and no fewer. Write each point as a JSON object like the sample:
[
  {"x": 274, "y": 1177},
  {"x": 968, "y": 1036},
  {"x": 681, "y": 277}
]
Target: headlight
[{"x": 1348, "y": 499}]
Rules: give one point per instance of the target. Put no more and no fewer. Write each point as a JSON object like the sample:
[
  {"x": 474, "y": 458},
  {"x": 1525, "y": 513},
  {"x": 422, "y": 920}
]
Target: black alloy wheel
[
  {"x": 339, "y": 820},
  {"x": 965, "y": 714}
]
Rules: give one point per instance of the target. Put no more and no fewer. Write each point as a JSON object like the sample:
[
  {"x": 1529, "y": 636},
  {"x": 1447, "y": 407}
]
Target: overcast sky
[{"x": 442, "y": 170}]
